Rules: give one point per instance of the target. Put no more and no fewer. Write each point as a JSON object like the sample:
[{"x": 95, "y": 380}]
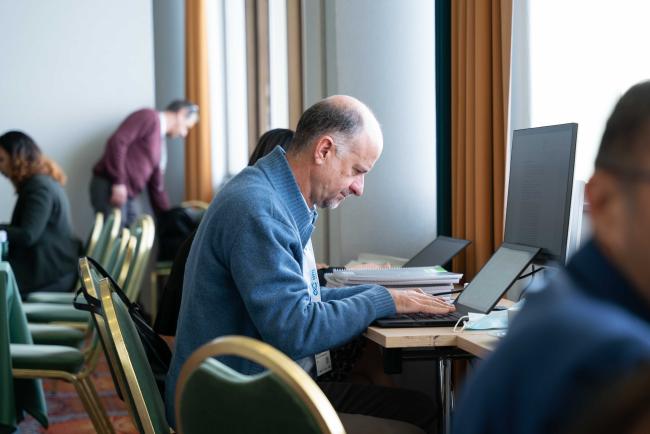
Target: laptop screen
[
  {"x": 494, "y": 279},
  {"x": 438, "y": 252}
]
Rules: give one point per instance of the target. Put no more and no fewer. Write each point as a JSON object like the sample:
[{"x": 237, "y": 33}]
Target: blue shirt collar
[
  {"x": 599, "y": 278},
  {"x": 276, "y": 168}
]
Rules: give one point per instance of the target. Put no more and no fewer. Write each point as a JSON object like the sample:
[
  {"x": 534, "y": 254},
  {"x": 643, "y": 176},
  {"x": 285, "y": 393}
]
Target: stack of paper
[
  {"x": 379, "y": 260},
  {"x": 430, "y": 279}
]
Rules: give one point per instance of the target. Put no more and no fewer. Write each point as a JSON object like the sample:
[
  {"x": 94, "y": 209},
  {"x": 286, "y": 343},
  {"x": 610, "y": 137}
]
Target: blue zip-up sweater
[{"x": 244, "y": 276}]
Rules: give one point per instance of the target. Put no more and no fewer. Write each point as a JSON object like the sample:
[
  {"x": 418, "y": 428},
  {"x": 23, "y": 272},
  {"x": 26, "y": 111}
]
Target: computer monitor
[
  {"x": 540, "y": 188},
  {"x": 439, "y": 252}
]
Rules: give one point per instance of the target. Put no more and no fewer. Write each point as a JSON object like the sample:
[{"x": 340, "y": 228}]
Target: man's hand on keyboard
[{"x": 416, "y": 300}]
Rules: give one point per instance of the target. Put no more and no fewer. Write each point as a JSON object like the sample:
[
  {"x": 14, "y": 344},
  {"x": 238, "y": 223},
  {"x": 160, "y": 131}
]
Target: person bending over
[{"x": 135, "y": 157}]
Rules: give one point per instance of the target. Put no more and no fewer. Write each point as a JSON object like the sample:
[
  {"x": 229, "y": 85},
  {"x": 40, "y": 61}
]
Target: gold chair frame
[
  {"x": 129, "y": 384},
  {"x": 114, "y": 233},
  {"x": 275, "y": 361},
  {"x": 133, "y": 285},
  {"x": 102, "y": 329},
  {"x": 85, "y": 389},
  {"x": 94, "y": 235}
]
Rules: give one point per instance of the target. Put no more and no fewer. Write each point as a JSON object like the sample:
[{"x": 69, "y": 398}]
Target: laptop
[
  {"x": 483, "y": 292},
  {"x": 438, "y": 252}
]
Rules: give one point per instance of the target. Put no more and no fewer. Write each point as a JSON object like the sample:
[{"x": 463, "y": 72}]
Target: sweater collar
[
  {"x": 276, "y": 167},
  {"x": 599, "y": 278}
]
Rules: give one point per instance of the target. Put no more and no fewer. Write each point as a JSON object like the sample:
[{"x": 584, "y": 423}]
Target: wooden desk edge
[{"x": 477, "y": 343}]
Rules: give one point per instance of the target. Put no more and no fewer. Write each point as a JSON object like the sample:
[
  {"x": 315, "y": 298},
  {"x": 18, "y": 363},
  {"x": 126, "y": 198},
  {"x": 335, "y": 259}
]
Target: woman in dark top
[{"x": 43, "y": 251}]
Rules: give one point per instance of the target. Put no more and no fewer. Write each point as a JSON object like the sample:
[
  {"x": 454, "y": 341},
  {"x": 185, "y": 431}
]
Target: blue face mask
[{"x": 497, "y": 319}]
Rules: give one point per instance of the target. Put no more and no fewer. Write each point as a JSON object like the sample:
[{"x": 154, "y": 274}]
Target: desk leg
[{"x": 445, "y": 394}]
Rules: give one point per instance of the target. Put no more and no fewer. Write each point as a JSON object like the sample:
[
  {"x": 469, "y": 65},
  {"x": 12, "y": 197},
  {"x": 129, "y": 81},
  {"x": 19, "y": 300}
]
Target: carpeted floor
[{"x": 66, "y": 413}]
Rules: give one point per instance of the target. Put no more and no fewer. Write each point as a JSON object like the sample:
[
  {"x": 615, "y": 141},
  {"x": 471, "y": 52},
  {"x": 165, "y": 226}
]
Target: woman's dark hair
[
  {"x": 27, "y": 160},
  {"x": 269, "y": 140}
]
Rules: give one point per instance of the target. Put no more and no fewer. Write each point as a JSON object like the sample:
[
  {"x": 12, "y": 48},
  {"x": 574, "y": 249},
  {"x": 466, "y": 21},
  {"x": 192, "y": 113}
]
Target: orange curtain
[
  {"x": 480, "y": 80},
  {"x": 198, "y": 163}
]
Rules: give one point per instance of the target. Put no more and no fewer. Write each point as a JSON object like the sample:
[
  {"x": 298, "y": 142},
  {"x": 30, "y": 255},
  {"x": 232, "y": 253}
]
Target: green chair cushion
[
  {"x": 51, "y": 334},
  {"x": 50, "y": 312},
  {"x": 51, "y": 297},
  {"x": 218, "y": 399},
  {"x": 46, "y": 357}
]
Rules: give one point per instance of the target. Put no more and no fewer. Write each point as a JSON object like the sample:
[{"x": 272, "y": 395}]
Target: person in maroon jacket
[{"x": 135, "y": 156}]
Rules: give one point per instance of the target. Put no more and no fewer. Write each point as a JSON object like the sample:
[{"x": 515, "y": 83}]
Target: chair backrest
[
  {"x": 108, "y": 236},
  {"x": 144, "y": 230},
  {"x": 211, "y": 397},
  {"x": 118, "y": 250},
  {"x": 122, "y": 269},
  {"x": 94, "y": 234},
  {"x": 90, "y": 280},
  {"x": 136, "y": 378},
  {"x": 121, "y": 256}
]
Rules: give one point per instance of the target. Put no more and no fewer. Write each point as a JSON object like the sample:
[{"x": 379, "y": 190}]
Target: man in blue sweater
[
  {"x": 251, "y": 269},
  {"x": 591, "y": 325}
]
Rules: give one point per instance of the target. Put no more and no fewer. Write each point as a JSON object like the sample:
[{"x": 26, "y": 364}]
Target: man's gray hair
[
  {"x": 327, "y": 117},
  {"x": 180, "y": 104}
]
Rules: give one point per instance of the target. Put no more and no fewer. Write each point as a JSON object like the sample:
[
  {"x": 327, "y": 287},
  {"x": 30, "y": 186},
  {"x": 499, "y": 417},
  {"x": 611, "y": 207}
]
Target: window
[
  {"x": 572, "y": 61},
  {"x": 249, "y": 86}
]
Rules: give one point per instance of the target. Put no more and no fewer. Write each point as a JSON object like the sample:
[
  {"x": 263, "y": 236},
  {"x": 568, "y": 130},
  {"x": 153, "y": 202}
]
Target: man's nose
[{"x": 357, "y": 186}]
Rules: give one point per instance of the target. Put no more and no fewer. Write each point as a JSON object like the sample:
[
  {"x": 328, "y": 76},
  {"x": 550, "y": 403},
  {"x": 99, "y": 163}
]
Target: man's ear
[
  {"x": 323, "y": 150},
  {"x": 600, "y": 191},
  {"x": 605, "y": 198}
]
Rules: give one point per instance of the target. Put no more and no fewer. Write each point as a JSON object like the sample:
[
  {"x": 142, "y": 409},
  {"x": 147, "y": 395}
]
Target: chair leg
[
  {"x": 99, "y": 407},
  {"x": 101, "y": 411},
  {"x": 93, "y": 406}
]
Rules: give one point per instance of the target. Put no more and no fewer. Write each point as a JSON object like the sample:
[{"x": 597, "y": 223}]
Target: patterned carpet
[{"x": 66, "y": 413}]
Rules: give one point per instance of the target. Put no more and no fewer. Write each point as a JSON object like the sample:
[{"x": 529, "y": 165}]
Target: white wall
[
  {"x": 70, "y": 71},
  {"x": 382, "y": 52}
]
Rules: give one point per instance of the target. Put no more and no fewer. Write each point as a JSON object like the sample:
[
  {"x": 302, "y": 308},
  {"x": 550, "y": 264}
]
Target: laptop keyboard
[
  {"x": 428, "y": 316},
  {"x": 420, "y": 320}
]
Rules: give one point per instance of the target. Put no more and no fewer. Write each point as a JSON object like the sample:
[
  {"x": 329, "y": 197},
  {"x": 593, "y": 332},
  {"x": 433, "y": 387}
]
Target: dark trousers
[
  {"x": 100, "y": 198},
  {"x": 385, "y": 402}
]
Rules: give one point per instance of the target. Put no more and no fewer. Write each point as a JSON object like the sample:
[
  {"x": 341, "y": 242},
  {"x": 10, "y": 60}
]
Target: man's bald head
[
  {"x": 340, "y": 116},
  {"x": 337, "y": 142}
]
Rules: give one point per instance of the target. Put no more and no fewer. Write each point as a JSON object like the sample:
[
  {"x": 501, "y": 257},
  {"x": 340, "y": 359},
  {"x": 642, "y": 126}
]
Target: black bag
[
  {"x": 173, "y": 227},
  {"x": 156, "y": 349}
]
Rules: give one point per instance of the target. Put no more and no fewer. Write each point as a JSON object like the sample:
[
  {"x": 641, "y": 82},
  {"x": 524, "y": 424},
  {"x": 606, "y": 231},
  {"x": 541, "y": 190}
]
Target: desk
[
  {"x": 15, "y": 395},
  {"x": 476, "y": 343}
]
